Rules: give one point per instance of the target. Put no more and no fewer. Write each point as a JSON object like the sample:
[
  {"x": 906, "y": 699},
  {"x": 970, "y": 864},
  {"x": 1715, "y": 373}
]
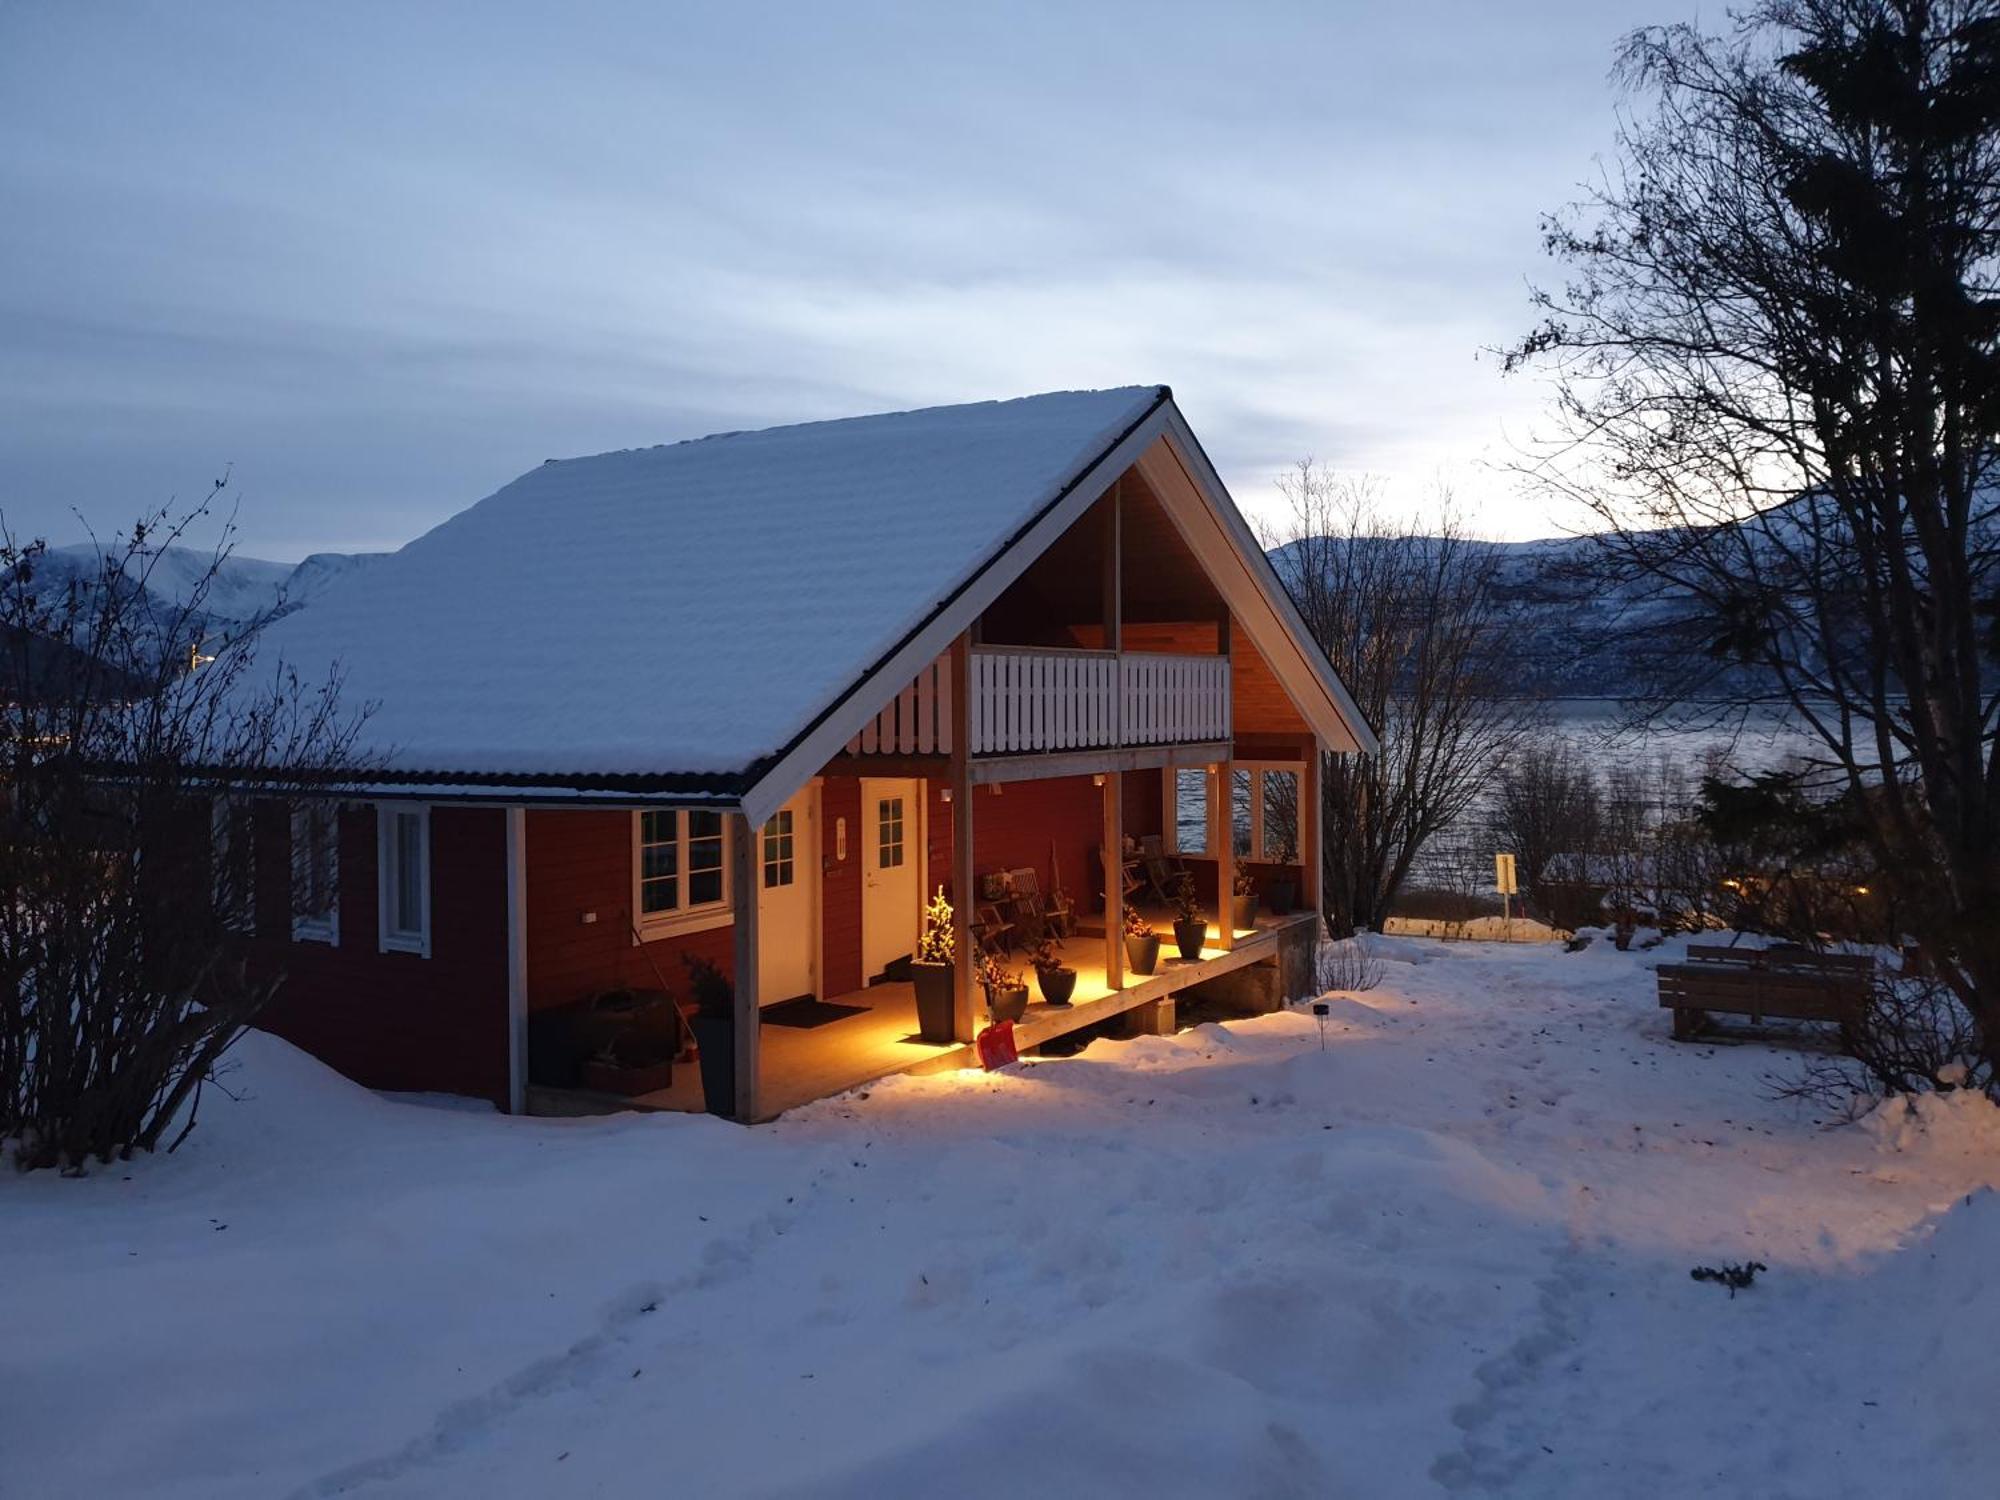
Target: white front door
[
  {"x": 787, "y": 852},
  {"x": 891, "y": 871}
]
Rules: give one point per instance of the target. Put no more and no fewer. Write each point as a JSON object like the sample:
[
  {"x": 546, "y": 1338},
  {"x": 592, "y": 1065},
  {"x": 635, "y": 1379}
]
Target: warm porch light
[
  {"x": 946, "y": 794},
  {"x": 1097, "y": 780}
]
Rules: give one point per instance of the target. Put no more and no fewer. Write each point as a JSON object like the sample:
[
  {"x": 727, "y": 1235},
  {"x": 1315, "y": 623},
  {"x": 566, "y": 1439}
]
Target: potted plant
[
  {"x": 1190, "y": 926},
  {"x": 714, "y": 1025},
  {"x": 1006, "y": 996},
  {"x": 1057, "y": 979},
  {"x": 1142, "y": 944},
  {"x": 1281, "y": 891},
  {"x": 630, "y": 1038},
  {"x": 1243, "y": 903},
  {"x": 933, "y": 971}
]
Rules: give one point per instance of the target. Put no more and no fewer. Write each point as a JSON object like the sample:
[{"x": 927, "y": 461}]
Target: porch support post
[
  {"x": 743, "y": 869},
  {"x": 1225, "y": 855},
  {"x": 1114, "y": 880},
  {"x": 1311, "y": 831},
  {"x": 959, "y": 779}
]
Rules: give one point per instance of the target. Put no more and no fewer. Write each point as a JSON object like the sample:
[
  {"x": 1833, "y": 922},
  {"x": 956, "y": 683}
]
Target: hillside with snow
[{"x": 1439, "y": 1245}]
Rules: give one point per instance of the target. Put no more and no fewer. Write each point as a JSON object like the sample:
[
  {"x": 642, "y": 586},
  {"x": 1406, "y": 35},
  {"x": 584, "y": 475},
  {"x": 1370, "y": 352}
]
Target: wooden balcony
[{"x": 1029, "y": 700}]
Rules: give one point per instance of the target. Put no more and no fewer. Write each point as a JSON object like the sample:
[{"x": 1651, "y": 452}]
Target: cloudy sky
[{"x": 378, "y": 259}]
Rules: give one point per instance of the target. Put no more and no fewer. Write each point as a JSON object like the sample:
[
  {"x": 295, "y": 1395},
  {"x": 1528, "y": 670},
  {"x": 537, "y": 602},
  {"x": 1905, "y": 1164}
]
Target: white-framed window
[
  {"x": 1263, "y": 811},
  {"x": 234, "y": 866},
  {"x": 680, "y": 870},
  {"x": 316, "y": 872},
  {"x": 403, "y": 876}
]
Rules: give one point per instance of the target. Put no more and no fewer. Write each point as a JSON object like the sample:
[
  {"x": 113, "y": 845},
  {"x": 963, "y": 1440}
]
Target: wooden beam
[
  {"x": 1114, "y": 881},
  {"x": 1225, "y": 848},
  {"x": 1114, "y": 566},
  {"x": 743, "y": 868},
  {"x": 1043, "y": 765},
  {"x": 1311, "y": 831},
  {"x": 959, "y": 780}
]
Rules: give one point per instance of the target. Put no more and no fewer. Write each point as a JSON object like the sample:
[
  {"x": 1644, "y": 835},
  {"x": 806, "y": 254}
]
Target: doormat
[{"x": 806, "y": 1013}]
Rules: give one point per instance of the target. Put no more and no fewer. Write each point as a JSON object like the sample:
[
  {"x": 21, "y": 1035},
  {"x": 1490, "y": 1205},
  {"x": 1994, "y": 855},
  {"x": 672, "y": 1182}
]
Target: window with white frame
[
  {"x": 316, "y": 872},
  {"x": 679, "y": 868},
  {"x": 780, "y": 850},
  {"x": 1263, "y": 811},
  {"x": 403, "y": 876},
  {"x": 234, "y": 865}
]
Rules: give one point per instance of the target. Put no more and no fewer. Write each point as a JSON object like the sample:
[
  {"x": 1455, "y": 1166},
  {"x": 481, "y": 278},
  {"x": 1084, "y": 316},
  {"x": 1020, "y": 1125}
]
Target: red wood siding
[
  {"x": 396, "y": 1020},
  {"x": 580, "y": 866},
  {"x": 1018, "y": 827}
]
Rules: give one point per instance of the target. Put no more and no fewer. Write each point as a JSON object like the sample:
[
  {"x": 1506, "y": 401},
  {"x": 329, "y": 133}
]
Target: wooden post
[
  {"x": 962, "y": 893},
  {"x": 1225, "y": 855},
  {"x": 743, "y": 872},
  {"x": 1114, "y": 880},
  {"x": 1311, "y": 831}
]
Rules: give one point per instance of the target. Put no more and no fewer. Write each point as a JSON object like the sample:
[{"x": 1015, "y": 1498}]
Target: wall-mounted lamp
[
  {"x": 945, "y": 795},
  {"x": 1097, "y": 780}
]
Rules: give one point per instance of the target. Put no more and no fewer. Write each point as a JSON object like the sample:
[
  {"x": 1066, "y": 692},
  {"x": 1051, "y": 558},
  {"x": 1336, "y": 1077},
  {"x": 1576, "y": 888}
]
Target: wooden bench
[{"x": 1791, "y": 983}]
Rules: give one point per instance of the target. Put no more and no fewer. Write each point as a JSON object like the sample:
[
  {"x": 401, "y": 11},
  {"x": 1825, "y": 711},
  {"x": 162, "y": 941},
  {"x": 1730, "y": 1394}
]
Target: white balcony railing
[{"x": 1026, "y": 700}]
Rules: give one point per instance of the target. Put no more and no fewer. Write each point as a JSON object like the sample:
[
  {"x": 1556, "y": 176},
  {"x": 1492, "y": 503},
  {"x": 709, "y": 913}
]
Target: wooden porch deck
[{"x": 802, "y": 1064}]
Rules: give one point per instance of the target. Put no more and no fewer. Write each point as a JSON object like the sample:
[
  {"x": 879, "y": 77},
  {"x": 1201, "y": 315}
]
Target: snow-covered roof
[{"x": 690, "y": 609}]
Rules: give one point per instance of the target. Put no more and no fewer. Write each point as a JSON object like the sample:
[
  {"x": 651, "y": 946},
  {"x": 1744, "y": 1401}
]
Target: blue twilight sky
[{"x": 381, "y": 258}]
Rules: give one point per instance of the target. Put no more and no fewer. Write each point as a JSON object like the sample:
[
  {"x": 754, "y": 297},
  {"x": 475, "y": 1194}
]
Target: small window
[
  {"x": 888, "y": 833},
  {"x": 779, "y": 867},
  {"x": 1190, "y": 811},
  {"x": 235, "y": 873},
  {"x": 403, "y": 862},
  {"x": 681, "y": 868},
  {"x": 316, "y": 872},
  {"x": 1242, "y": 813}
]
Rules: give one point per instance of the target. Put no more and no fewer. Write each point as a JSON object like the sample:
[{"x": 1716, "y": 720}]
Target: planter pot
[
  {"x": 1057, "y": 984},
  {"x": 1243, "y": 911},
  {"x": 1009, "y": 1004},
  {"x": 1279, "y": 896},
  {"x": 627, "y": 1080},
  {"x": 1190, "y": 936},
  {"x": 1142, "y": 954},
  {"x": 716, "y": 1037},
  {"x": 934, "y": 997}
]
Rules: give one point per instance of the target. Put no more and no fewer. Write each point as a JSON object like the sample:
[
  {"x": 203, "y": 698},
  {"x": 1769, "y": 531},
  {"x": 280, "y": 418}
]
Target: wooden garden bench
[{"x": 1791, "y": 983}]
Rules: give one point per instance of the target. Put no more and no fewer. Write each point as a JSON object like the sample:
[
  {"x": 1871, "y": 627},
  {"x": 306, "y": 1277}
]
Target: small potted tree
[
  {"x": 1243, "y": 903},
  {"x": 1281, "y": 891},
  {"x": 1142, "y": 944},
  {"x": 1006, "y": 995},
  {"x": 1190, "y": 926},
  {"x": 932, "y": 971},
  {"x": 1057, "y": 979},
  {"x": 714, "y": 1025}
]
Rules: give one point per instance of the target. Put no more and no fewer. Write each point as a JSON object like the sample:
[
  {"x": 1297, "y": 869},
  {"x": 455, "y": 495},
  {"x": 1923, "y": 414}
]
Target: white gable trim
[
  {"x": 873, "y": 692},
  {"x": 1252, "y": 589}
]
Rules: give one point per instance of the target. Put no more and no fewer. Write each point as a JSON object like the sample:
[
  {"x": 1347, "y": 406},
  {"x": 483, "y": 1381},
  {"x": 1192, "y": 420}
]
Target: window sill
[
  {"x": 680, "y": 924},
  {"x": 315, "y": 934},
  {"x": 414, "y": 946}
]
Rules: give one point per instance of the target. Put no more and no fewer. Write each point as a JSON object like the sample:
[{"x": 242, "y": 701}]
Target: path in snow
[{"x": 1446, "y": 1254}]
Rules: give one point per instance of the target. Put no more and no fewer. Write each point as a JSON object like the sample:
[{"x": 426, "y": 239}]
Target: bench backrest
[{"x": 1801, "y": 959}]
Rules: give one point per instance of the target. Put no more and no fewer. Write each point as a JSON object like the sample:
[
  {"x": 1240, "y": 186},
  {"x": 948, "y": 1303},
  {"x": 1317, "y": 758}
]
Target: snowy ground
[{"x": 1448, "y": 1253}]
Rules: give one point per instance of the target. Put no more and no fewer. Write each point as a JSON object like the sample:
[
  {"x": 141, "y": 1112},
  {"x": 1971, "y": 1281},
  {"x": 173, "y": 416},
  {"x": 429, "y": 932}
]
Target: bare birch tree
[{"x": 1410, "y": 618}]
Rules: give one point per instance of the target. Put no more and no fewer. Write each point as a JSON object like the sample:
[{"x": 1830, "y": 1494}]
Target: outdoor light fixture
[
  {"x": 946, "y": 794},
  {"x": 1097, "y": 780}
]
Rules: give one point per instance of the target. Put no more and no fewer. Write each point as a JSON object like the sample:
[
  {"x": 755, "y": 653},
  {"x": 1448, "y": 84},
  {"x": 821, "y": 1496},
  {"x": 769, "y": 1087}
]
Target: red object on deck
[{"x": 996, "y": 1046}]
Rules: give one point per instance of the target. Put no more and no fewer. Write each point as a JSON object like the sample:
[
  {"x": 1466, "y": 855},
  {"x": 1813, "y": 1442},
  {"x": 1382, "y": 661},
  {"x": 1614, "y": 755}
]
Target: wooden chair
[
  {"x": 1035, "y": 915},
  {"x": 991, "y": 930},
  {"x": 1157, "y": 870}
]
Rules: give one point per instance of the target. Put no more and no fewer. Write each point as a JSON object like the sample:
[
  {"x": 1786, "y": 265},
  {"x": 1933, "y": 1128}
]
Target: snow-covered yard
[{"x": 1449, "y": 1252}]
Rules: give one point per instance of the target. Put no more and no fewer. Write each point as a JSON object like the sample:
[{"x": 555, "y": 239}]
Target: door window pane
[
  {"x": 778, "y": 866},
  {"x": 889, "y": 833}
]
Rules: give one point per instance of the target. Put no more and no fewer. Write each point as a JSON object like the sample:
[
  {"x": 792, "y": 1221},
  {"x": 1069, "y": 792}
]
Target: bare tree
[
  {"x": 1546, "y": 802},
  {"x": 125, "y": 867},
  {"x": 1410, "y": 619},
  {"x": 1779, "y": 357}
]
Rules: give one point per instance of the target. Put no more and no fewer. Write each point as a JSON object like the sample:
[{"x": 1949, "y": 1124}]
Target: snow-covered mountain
[{"x": 245, "y": 590}]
